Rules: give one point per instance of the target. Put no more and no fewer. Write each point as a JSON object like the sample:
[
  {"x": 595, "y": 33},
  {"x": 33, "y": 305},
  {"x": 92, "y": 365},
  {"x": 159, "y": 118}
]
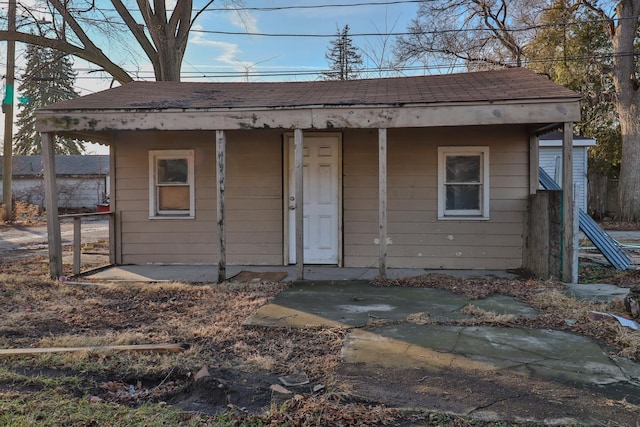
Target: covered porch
[{"x": 396, "y": 106}]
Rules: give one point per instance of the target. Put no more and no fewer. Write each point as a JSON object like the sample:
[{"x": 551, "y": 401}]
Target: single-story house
[
  {"x": 82, "y": 180},
  {"x": 551, "y": 162},
  {"x": 426, "y": 172}
]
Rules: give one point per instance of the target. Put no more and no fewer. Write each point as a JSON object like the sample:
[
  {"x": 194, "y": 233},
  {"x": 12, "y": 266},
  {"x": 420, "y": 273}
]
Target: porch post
[
  {"x": 299, "y": 183},
  {"x": 534, "y": 163},
  {"x": 567, "y": 205},
  {"x": 221, "y": 142},
  {"x": 382, "y": 202},
  {"x": 51, "y": 202},
  {"x": 115, "y": 254}
]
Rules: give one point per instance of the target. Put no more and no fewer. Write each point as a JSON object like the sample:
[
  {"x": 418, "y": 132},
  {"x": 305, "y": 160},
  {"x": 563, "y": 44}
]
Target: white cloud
[
  {"x": 228, "y": 51},
  {"x": 244, "y": 20}
]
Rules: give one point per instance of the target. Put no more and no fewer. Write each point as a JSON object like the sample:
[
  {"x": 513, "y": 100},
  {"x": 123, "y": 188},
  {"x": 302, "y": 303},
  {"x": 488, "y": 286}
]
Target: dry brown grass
[
  {"x": 487, "y": 317},
  {"x": 38, "y": 312},
  {"x": 23, "y": 213},
  {"x": 44, "y": 313},
  {"x": 576, "y": 313}
]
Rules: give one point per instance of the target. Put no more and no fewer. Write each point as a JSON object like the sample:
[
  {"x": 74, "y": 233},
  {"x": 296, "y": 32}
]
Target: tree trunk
[
  {"x": 629, "y": 185},
  {"x": 628, "y": 101},
  {"x": 170, "y": 59}
]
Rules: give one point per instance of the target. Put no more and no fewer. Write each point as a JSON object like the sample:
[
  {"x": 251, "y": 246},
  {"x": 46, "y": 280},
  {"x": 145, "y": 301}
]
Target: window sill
[
  {"x": 161, "y": 217},
  {"x": 463, "y": 218}
]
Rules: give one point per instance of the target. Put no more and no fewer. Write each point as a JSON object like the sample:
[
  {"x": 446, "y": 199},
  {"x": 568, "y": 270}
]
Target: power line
[
  {"x": 317, "y": 72},
  {"x": 280, "y": 8}
]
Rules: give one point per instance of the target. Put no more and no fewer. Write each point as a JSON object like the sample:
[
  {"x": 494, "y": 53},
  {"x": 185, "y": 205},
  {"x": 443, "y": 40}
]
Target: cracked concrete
[
  {"x": 380, "y": 338},
  {"x": 542, "y": 353}
]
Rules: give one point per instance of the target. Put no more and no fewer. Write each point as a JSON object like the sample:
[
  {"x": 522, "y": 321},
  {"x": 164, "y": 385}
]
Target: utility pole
[{"x": 7, "y": 109}]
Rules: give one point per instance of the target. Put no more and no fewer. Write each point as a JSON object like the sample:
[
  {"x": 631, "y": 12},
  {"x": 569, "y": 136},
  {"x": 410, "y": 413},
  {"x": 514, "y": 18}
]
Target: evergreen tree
[
  {"x": 49, "y": 78},
  {"x": 344, "y": 57}
]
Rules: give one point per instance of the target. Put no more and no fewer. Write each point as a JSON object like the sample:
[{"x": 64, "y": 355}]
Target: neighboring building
[
  {"x": 423, "y": 172},
  {"x": 83, "y": 181},
  {"x": 551, "y": 162}
]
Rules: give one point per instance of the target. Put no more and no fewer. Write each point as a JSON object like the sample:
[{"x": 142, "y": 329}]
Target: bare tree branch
[{"x": 94, "y": 56}]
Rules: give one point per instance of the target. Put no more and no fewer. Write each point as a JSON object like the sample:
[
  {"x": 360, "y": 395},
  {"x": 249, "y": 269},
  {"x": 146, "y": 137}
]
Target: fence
[
  {"x": 77, "y": 236},
  {"x": 542, "y": 253},
  {"x": 603, "y": 196}
]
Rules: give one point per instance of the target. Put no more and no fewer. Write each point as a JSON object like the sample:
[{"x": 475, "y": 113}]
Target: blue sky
[
  {"x": 223, "y": 57},
  {"x": 216, "y": 52}
]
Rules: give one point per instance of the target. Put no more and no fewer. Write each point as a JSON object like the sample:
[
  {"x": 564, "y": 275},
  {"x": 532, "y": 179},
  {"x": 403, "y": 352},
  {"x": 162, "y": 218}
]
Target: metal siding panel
[{"x": 605, "y": 244}]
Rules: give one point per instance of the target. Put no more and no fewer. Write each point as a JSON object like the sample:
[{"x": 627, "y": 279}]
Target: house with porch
[{"x": 430, "y": 172}]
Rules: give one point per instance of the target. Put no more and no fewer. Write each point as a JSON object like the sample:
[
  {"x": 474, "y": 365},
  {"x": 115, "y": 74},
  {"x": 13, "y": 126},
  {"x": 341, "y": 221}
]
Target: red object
[{"x": 103, "y": 207}]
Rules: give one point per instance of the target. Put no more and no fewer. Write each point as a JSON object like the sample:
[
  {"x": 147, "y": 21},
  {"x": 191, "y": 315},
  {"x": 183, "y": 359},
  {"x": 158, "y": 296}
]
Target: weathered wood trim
[
  {"x": 576, "y": 237},
  {"x": 567, "y": 203},
  {"x": 112, "y": 238},
  {"x": 77, "y": 244},
  {"x": 340, "y": 202},
  {"x": 382, "y": 202},
  {"x": 534, "y": 163},
  {"x": 286, "y": 193},
  {"x": 115, "y": 236},
  {"x": 312, "y": 117},
  {"x": 51, "y": 202},
  {"x": 157, "y": 348},
  {"x": 221, "y": 142},
  {"x": 299, "y": 183}
]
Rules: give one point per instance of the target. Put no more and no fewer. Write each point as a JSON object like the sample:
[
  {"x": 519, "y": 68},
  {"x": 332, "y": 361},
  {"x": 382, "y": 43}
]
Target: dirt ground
[{"x": 248, "y": 372}]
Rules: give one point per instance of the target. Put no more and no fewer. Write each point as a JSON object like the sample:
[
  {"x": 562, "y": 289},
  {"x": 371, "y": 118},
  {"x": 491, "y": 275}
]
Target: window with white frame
[
  {"x": 463, "y": 182},
  {"x": 171, "y": 184}
]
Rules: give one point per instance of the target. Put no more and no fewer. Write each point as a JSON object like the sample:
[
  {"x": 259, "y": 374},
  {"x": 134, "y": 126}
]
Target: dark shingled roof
[
  {"x": 65, "y": 165},
  {"x": 483, "y": 86}
]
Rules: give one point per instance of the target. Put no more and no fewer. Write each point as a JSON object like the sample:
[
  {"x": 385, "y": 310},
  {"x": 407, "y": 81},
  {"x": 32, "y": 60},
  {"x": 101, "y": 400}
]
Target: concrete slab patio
[{"x": 389, "y": 328}]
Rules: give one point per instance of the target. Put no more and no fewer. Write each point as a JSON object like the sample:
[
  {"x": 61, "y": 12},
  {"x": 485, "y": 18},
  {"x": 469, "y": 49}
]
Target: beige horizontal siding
[
  {"x": 170, "y": 258},
  {"x": 464, "y": 262},
  {"x": 176, "y": 248},
  {"x": 476, "y": 228},
  {"x": 417, "y": 238},
  {"x": 440, "y": 240},
  {"x": 253, "y": 198}
]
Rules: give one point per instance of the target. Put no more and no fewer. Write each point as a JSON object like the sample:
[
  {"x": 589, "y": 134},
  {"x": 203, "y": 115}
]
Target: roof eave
[{"x": 313, "y": 117}]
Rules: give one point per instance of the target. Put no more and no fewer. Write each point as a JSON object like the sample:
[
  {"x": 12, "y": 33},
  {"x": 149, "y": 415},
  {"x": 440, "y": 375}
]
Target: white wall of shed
[{"x": 549, "y": 162}]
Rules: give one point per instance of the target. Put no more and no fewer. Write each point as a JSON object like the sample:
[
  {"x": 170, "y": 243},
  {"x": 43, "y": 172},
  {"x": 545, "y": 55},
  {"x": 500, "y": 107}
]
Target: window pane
[
  {"x": 463, "y": 197},
  {"x": 463, "y": 169},
  {"x": 173, "y": 198},
  {"x": 173, "y": 171}
]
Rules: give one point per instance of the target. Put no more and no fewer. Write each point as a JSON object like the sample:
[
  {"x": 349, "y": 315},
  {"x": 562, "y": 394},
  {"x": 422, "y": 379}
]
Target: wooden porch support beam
[
  {"x": 115, "y": 252},
  {"x": 221, "y": 142},
  {"x": 51, "y": 202},
  {"x": 382, "y": 202},
  {"x": 568, "y": 249},
  {"x": 298, "y": 149},
  {"x": 77, "y": 244},
  {"x": 534, "y": 163}
]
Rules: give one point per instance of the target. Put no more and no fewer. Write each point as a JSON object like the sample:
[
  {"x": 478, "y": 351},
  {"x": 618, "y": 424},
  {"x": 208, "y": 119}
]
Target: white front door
[{"x": 321, "y": 183}]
